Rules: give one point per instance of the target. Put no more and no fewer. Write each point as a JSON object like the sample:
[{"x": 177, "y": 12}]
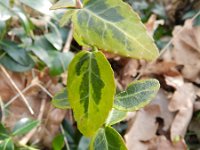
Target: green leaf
[
  {"x": 58, "y": 142},
  {"x": 57, "y": 61},
  {"x": 115, "y": 116},
  {"x": 66, "y": 17},
  {"x": 5, "y": 12},
  {"x": 11, "y": 64},
  {"x": 7, "y": 144},
  {"x": 83, "y": 143},
  {"x": 51, "y": 38},
  {"x": 64, "y": 4},
  {"x": 18, "y": 54},
  {"x": 91, "y": 90},
  {"x": 24, "y": 125},
  {"x": 197, "y": 21},
  {"x": 17, "y": 59},
  {"x": 189, "y": 14},
  {"x": 60, "y": 100},
  {"x": 3, "y": 132},
  {"x": 113, "y": 26},
  {"x": 27, "y": 24},
  {"x": 107, "y": 139},
  {"x": 137, "y": 95},
  {"x": 41, "y": 6}
]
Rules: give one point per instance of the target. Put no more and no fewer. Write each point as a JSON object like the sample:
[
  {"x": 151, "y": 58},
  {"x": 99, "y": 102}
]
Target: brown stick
[{"x": 17, "y": 89}]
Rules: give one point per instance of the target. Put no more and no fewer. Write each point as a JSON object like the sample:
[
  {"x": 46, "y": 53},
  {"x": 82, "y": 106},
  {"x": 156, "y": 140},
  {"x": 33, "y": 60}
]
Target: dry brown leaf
[
  {"x": 181, "y": 102},
  {"x": 162, "y": 68},
  {"x": 187, "y": 50},
  {"x": 163, "y": 102},
  {"x": 7, "y": 90},
  {"x": 17, "y": 110},
  {"x": 152, "y": 24},
  {"x": 162, "y": 143},
  {"x": 197, "y": 106},
  {"x": 143, "y": 129},
  {"x": 129, "y": 71}
]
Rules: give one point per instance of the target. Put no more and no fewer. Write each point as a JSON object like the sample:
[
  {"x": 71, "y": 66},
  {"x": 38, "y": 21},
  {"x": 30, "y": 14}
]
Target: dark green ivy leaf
[{"x": 3, "y": 132}]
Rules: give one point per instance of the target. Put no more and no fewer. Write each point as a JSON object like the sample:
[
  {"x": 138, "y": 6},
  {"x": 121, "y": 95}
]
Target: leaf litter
[
  {"x": 161, "y": 125},
  {"x": 165, "y": 122}
]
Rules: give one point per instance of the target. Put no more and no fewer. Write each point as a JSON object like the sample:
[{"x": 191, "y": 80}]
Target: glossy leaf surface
[
  {"x": 107, "y": 139},
  {"x": 91, "y": 90},
  {"x": 15, "y": 58},
  {"x": 113, "y": 26},
  {"x": 57, "y": 61},
  {"x": 115, "y": 116},
  {"x": 67, "y": 17},
  {"x": 24, "y": 126},
  {"x": 63, "y": 4},
  {"x": 137, "y": 95}
]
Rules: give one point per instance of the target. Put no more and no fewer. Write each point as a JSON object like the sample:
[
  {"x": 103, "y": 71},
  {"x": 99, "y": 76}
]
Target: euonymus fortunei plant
[{"x": 109, "y": 25}]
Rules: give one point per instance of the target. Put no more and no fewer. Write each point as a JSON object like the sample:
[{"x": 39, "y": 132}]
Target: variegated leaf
[
  {"x": 115, "y": 116},
  {"x": 137, "y": 95},
  {"x": 113, "y": 26},
  {"x": 63, "y": 4},
  {"x": 107, "y": 139},
  {"x": 91, "y": 90}
]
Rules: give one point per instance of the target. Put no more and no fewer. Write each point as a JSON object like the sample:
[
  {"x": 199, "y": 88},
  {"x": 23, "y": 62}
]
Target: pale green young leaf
[
  {"x": 91, "y": 90},
  {"x": 115, "y": 116},
  {"x": 66, "y": 17},
  {"x": 24, "y": 126},
  {"x": 7, "y": 144},
  {"x": 137, "y": 95},
  {"x": 107, "y": 139},
  {"x": 60, "y": 100},
  {"x": 64, "y": 4},
  {"x": 113, "y": 26}
]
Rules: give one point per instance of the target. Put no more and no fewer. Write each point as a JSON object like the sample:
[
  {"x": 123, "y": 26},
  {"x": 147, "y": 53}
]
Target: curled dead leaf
[
  {"x": 181, "y": 102},
  {"x": 187, "y": 49},
  {"x": 162, "y": 143},
  {"x": 143, "y": 129}
]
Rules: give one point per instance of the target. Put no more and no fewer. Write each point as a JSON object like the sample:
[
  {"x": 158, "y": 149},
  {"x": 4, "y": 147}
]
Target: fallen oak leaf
[
  {"x": 162, "y": 143},
  {"x": 181, "y": 102},
  {"x": 186, "y": 50},
  {"x": 143, "y": 129}
]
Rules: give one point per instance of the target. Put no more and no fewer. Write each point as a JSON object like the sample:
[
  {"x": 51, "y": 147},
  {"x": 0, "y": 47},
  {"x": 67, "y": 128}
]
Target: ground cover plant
[{"x": 75, "y": 65}]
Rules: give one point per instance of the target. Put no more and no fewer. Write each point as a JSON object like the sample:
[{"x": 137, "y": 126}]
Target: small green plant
[
  {"x": 7, "y": 139},
  {"x": 109, "y": 25}
]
